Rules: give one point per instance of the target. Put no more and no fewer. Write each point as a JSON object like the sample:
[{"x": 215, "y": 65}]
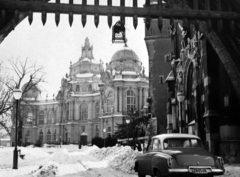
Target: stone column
[
  {"x": 120, "y": 99},
  {"x": 115, "y": 99},
  {"x": 73, "y": 111},
  {"x": 140, "y": 98},
  {"x": 143, "y": 96},
  {"x": 137, "y": 99},
  {"x": 211, "y": 116}
]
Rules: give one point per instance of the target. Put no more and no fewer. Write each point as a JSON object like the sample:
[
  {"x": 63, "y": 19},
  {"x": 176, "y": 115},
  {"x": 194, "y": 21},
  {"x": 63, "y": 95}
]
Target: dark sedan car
[{"x": 178, "y": 155}]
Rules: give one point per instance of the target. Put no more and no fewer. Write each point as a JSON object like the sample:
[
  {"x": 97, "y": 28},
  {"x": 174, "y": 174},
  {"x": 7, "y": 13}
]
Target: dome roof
[
  {"x": 33, "y": 93},
  {"x": 125, "y": 54}
]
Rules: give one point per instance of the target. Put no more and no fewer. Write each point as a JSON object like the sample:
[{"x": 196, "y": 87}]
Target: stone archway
[{"x": 224, "y": 56}]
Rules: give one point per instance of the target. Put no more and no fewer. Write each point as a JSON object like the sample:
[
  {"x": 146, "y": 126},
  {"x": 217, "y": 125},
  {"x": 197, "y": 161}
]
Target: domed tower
[
  {"x": 125, "y": 89},
  {"x": 126, "y": 64},
  {"x": 32, "y": 92}
]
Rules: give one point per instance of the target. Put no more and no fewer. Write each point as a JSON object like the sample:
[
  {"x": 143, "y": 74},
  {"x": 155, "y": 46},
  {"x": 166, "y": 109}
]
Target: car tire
[
  {"x": 140, "y": 174},
  {"x": 158, "y": 174}
]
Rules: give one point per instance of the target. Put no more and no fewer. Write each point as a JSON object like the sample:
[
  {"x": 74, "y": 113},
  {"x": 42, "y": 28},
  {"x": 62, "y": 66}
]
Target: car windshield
[{"x": 182, "y": 143}]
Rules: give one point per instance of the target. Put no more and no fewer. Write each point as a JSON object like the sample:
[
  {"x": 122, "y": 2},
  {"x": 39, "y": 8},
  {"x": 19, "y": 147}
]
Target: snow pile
[
  {"x": 48, "y": 170},
  {"x": 60, "y": 156},
  {"x": 120, "y": 158}
]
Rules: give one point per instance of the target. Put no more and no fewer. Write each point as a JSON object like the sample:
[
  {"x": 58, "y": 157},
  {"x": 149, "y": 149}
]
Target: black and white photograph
[{"x": 119, "y": 88}]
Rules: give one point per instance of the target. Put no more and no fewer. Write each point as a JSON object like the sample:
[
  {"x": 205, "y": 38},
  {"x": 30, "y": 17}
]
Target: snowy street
[{"x": 69, "y": 161}]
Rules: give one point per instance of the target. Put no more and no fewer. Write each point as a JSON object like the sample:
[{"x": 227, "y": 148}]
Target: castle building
[{"x": 91, "y": 99}]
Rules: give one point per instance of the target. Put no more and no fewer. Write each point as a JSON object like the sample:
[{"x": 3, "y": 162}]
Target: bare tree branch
[{"x": 23, "y": 71}]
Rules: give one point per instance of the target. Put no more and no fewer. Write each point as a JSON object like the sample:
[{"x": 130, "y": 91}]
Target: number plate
[{"x": 199, "y": 170}]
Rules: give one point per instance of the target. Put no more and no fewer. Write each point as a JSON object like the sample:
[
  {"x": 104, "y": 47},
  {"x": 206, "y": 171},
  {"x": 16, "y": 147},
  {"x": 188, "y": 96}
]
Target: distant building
[{"x": 91, "y": 99}]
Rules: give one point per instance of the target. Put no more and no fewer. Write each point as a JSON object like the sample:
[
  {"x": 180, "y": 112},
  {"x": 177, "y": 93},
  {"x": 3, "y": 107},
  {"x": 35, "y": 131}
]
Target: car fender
[{"x": 159, "y": 162}]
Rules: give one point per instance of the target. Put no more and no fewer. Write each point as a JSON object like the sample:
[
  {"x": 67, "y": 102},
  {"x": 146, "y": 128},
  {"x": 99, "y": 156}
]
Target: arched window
[
  {"x": 97, "y": 110},
  {"x": 97, "y": 131},
  {"x": 77, "y": 88},
  {"x": 49, "y": 136},
  {"x": 55, "y": 136},
  {"x": 83, "y": 111},
  {"x": 131, "y": 100},
  {"x": 68, "y": 111},
  {"x": 29, "y": 118},
  {"x": 27, "y": 138},
  {"x": 56, "y": 116},
  {"x": 110, "y": 101},
  {"x": 41, "y": 117},
  {"x": 41, "y": 136}
]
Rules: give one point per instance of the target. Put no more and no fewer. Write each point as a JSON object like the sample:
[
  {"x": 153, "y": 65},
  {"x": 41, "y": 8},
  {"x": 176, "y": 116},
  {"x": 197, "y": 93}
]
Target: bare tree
[{"x": 21, "y": 71}]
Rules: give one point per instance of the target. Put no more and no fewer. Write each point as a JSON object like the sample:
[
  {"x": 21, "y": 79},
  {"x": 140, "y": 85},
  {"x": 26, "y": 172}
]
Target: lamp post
[
  {"x": 104, "y": 130},
  {"x": 17, "y": 93},
  {"x": 127, "y": 121},
  {"x": 180, "y": 98}
]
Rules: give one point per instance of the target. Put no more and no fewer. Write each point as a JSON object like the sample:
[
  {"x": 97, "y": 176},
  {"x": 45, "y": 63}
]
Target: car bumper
[{"x": 212, "y": 171}]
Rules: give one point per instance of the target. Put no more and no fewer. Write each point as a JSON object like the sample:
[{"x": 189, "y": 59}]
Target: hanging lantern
[{"x": 118, "y": 33}]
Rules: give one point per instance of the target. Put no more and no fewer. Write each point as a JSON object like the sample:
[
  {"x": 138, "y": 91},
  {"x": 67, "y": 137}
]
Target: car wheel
[
  {"x": 140, "y": 174},
  {"x": 158, "y": 174}
]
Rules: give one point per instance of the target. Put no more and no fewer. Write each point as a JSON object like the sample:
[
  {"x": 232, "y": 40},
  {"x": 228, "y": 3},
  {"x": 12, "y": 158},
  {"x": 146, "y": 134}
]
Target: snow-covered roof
[
  {"x": 86, "y": 95},
  {"x": 130, "y": 79},
  {"x": 84, "y": 75},
  {"x": 129, "y": 73}
]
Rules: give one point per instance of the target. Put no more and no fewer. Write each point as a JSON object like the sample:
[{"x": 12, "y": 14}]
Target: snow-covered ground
[{"x": 69, "y": 161}]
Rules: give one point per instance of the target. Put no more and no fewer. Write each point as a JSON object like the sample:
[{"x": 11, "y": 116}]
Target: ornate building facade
[{"x": 91, "y": 99}]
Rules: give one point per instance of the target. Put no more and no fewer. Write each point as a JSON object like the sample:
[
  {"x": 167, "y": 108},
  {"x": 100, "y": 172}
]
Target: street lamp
[
  {"x": 180, "y": 98},
  {"x": 104, "y": 130},
  {"x": 127, "y": 121},
  {"x": 17, "y": 93}
]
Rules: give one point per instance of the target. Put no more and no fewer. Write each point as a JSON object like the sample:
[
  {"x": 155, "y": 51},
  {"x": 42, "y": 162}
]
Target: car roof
[{"x": 175, "y": 135}]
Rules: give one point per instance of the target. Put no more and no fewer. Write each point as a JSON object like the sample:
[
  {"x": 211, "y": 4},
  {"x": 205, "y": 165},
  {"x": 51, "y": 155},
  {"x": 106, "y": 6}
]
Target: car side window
[{"x": 156, "y": 144}]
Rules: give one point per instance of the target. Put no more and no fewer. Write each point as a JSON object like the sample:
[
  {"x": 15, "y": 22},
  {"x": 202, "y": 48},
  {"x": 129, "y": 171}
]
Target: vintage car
[{"x": 178, "y": 155}]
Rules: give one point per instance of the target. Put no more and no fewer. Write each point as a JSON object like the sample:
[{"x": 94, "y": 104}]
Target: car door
[{"x": 151, "y": 151}]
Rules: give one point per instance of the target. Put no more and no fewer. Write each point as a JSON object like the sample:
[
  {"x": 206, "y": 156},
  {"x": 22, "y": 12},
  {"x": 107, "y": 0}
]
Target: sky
[{"x": 55, "y": 47}]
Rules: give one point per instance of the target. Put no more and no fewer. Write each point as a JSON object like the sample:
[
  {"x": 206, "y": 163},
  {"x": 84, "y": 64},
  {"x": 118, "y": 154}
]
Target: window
[
  {"x": 109, "y": 131},
  {"x": 67, "y": 112},
  {"x": 55, "y": 136},
  {"x": 161, "y": 79},
  {"x": 131, "y": 100},
  {"x": 84, "y": 88},
  {"x": 83, "y": 111},
  {"x": 83, "y": 128},
  {"x": 41, "y": 136},
  {"x": 49, "y": 136},
  {"x": 156, "y": 144},
  {"x": 97, "y": 131},
  {"x": 182, "y": 143},
  {"x": 77, "y": 88},
  {"x": 110, "y": 101},
  {"x": 97, "y": 110},
  {"x": 56, "y": 116},
  {"x": 41, "y": 117},
  {"x": 29, "y": 119},
  {"x": 27, "y": 137}
]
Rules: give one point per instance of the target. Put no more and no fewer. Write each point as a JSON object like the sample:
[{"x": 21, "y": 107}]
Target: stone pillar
[
  {"x": 90, "y": 110},
  {"x": 120, "y": 99},
  {"x": 143, "y": 96},
  {"x": 140, "y": 99},
  {"x": 137, "y": 99},
  {"x": 211, "y": 116},
  {"x": 100, "y": 128},
  {"x": 73, "y": 111},
  {"x": 115, "y": 99}
]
